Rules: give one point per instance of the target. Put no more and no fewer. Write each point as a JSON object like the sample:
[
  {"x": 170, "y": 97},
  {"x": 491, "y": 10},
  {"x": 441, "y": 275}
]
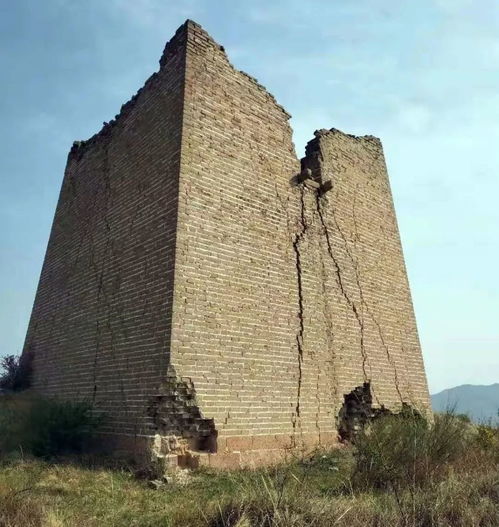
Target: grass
[
  {"x": 403, "y": 473},
  {"x": 37, "y": 493}
]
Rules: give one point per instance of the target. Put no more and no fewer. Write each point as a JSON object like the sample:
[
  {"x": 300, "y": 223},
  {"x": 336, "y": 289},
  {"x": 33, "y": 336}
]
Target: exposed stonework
[
  {"x": 212, "y": 294},
  {"x": 175, "y": 413}
]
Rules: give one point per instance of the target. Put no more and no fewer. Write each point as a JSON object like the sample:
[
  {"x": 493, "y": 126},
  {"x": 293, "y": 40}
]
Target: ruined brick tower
[{"x": 220, "y": 301}]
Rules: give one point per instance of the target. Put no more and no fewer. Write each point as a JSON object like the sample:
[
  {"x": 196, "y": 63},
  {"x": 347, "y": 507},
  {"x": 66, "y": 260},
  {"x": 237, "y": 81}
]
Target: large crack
[
  {"x": 328, "y": 320},
  {"x": 96, "y": 359},
  {"x": 339, "y": 279},
  {"x": 103, "y": 297},
  {"x": 365, "y": 304},
  {"x": 388, "y": 356},
  {"x": 368, "y": 311},
  {"x": 299, "y": 337}
]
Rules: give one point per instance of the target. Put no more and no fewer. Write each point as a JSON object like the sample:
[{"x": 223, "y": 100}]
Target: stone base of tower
[
  {"x": 261, "y": 450},
  {"x": 232, "y": 452}
]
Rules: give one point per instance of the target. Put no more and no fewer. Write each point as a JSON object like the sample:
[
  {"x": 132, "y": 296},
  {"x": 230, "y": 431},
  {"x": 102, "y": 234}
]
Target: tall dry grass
[{"x": 403, "y": 472}]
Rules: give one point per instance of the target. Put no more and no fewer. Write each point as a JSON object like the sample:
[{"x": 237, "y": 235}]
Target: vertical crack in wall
[
  {"x": 388, "y": 355},
  {"x": 368, "y": 311},
  {"x": 365, "y": 307},
  {"x": 328, "y": 320},
  {"x": 408, "y": 386},
  {"x": 318, "y": 399},
  {"x": 373, "y": 318},
  {"x": 103, "y": 290},
  {"x": 350, "y": 302},
  {"x": 96, "y": 357},
  {"x": 365, "y": 304},
  {"x": 98, "y": 276},
  {"x": 299, "y": 337}
]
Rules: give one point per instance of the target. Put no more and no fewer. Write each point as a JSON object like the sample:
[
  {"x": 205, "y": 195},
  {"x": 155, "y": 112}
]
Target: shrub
[
  {"x": 401, "y": 450},
  {"x": 488, "y": 438},
  {"x": 45, "y": 427},
  {"x": 463, "y": 417},
  {"x": 15, "y": 372},
  {"x": 60, "y": 427}
]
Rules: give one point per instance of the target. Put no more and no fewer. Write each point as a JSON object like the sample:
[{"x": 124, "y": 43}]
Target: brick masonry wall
[
  {"x": 208, "y": 290},
  {"x": 351, "y": 234},
  {"x": 100, "y": 327},
  {"x": 284, "y": 301},
  {"x": 235, "y": 306}
]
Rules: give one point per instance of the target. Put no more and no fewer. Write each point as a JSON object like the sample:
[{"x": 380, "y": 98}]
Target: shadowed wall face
[
  {"x": 100, "y": 328},
  {"x": 207, "y": 290}
]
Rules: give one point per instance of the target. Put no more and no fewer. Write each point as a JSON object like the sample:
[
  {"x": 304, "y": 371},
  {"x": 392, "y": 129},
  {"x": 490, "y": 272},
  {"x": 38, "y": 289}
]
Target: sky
[{"x": 421, "y": 75}]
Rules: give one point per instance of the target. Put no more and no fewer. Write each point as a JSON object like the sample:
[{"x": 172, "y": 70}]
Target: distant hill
[{"x": 480, "y": 403}]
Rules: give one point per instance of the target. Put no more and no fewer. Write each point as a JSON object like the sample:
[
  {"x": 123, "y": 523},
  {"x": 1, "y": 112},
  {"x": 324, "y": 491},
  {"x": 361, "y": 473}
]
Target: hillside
[{"x": 481, "y": 403}]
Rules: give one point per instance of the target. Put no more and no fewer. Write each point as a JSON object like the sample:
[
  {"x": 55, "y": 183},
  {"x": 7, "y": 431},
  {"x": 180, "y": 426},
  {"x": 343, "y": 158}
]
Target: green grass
[
  {"x": 404, "y": 472},
  {"x": 36, "y": 493}
]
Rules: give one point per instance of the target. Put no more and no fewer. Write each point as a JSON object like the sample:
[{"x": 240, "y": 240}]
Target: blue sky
[{"x": 421, "y": 75}]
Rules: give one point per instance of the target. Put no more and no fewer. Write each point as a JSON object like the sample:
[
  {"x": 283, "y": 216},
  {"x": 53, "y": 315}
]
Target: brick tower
[{"x": 221, "y": 301}]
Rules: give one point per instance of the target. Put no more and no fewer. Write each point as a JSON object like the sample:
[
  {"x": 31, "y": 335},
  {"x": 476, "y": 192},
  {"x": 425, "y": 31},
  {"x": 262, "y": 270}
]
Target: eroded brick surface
[{"x": 209, "y": 291}]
